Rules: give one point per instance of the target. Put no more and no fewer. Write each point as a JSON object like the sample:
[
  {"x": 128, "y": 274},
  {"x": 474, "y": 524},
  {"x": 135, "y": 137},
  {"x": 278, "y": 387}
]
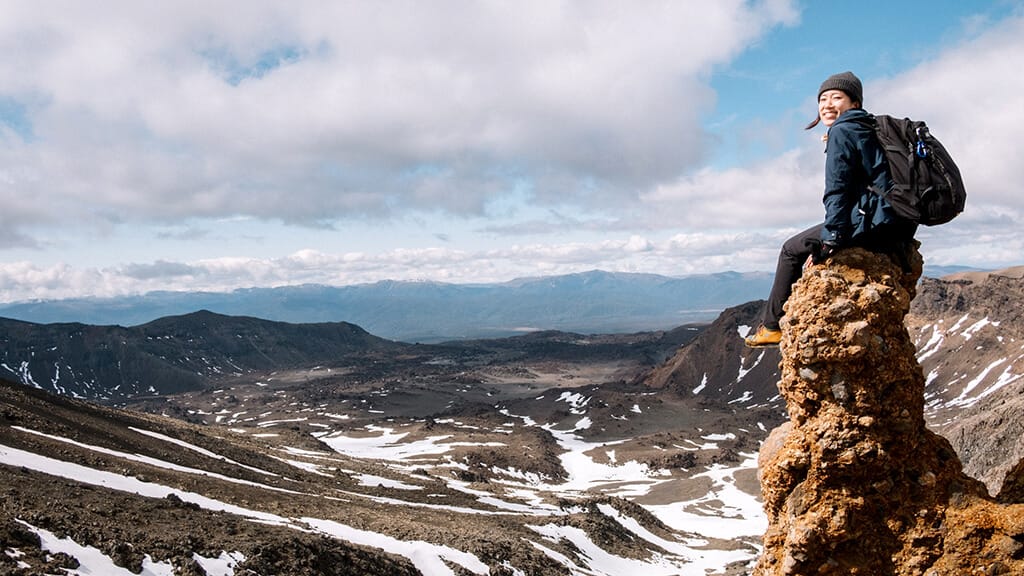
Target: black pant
[{"x": 795, "y": 251}]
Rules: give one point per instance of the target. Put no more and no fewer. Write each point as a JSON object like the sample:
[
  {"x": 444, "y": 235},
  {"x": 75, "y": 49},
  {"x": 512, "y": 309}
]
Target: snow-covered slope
[
  {"x": 548, "y": 454},
  {"x": 970, "y": 340},
  {"x": 294, "y": 473}
]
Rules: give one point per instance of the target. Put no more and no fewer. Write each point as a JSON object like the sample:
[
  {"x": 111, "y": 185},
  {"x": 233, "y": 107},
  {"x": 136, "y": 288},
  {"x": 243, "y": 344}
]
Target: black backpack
[{"x": 927, "y": 186}]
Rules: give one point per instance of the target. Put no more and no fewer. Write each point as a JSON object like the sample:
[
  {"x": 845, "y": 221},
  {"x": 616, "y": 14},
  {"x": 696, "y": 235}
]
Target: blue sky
[{"x": 209, "y": 147}]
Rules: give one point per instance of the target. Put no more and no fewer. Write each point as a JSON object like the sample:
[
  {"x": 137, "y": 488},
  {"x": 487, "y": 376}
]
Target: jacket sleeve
[{"x": 842, "y": 159}]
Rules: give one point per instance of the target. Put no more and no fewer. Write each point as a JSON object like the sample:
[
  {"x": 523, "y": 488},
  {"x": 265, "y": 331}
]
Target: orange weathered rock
[{"x": 855, "y": 483}]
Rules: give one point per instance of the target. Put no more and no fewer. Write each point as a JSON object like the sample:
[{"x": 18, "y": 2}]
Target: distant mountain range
[
  {"x": 588, "y": 302},
  {"x": 292, "y": 443},
  {"x": 968, "y": 334}
]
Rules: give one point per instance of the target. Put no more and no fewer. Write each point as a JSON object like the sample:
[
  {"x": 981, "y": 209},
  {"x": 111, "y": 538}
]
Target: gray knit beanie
[{"x": 847, "y": 82}]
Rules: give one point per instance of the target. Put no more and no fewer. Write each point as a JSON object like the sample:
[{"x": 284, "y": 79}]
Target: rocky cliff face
[
  {"x": 855, "y": 483},
  {"x": 969, "y": 333},
  {"x": 717, "y": 366}
]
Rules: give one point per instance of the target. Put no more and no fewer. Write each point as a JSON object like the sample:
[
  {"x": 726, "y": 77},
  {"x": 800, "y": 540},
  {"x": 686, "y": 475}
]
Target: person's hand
[{"x": 822, "y": 252}]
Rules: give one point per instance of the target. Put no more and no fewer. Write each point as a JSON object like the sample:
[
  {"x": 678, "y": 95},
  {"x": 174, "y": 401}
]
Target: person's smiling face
[{"x": 832, "y": 103}]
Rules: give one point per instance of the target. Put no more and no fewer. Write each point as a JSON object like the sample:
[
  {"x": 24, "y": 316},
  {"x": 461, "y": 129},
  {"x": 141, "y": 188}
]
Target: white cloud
[
  {"x": 679, "y": 255},
  {"x": 578, "y": 129},
  {"x": 777, "y": 192},
  {"x": 322, "y": 111},
  {"x": 967, "y": 96}
]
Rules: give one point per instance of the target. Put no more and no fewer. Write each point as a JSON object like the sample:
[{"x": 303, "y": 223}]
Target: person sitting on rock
[{"x": 854, "y": 215}]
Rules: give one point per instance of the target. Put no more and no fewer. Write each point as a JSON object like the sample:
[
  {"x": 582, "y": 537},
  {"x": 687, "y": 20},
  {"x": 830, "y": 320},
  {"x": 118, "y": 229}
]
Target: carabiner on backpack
[{"x": 921, "y": 149}]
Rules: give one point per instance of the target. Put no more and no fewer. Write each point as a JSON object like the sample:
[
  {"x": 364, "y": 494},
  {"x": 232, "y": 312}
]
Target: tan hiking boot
[{"x": 763, "y": 337}]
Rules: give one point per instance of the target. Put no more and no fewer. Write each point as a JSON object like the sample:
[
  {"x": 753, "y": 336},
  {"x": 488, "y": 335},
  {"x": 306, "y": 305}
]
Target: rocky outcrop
[{"x": 855, "y": 483}]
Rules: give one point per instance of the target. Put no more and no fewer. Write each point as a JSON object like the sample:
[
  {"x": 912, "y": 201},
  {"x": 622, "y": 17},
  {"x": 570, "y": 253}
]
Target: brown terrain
[
  {"x": 263, "y": 448},
  {"x": 260, "y": 469}
]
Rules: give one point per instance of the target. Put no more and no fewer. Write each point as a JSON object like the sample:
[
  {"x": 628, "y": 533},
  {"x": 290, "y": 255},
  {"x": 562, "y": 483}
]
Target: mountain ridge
[
  {"x": 430, "y": 311},
  {"x": 403, "y": 449},
  {"x": 172, "y": 354}
]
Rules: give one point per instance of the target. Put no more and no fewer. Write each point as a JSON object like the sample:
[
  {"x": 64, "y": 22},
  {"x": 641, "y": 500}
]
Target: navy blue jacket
[{"x": 854, "y": 161}]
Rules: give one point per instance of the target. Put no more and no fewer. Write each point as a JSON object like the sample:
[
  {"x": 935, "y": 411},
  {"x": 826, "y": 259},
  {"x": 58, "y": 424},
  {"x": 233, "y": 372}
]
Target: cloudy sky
[{"x": 214, "y": 145}]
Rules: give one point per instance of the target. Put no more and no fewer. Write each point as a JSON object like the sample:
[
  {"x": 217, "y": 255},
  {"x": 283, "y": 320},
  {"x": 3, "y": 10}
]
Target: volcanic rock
[
  {"x": 855, "y": 483},
  {"x": 1013, "y": 485}
]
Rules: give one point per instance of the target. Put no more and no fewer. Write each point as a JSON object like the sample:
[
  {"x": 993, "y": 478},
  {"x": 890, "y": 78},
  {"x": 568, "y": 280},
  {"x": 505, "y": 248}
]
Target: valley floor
[{"x": 556, "y": 467}]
